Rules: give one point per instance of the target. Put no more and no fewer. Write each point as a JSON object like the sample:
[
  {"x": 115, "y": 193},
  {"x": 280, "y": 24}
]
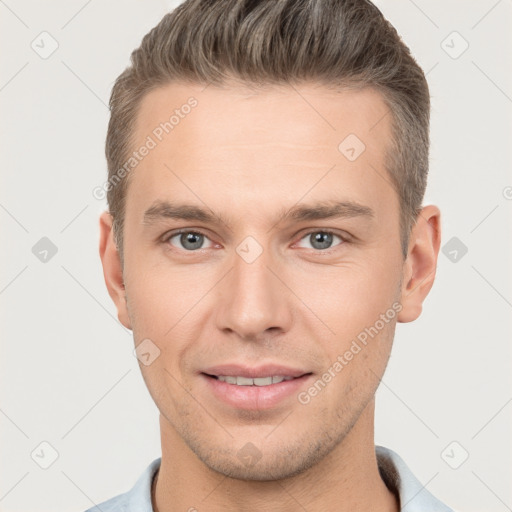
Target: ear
[
  {"x": 421, "y": 262},
  {"x": 112, "y": 270}
]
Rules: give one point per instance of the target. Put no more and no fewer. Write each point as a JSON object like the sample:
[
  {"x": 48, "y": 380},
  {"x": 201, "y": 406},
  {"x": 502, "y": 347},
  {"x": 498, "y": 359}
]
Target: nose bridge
[{"x": 253, "y": 299}]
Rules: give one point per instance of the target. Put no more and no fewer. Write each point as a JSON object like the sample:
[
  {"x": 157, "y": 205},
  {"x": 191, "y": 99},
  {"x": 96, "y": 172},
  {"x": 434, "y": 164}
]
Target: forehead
[
  {"x": 305, "y": 115},
  {"x": 212, "y": 144}
]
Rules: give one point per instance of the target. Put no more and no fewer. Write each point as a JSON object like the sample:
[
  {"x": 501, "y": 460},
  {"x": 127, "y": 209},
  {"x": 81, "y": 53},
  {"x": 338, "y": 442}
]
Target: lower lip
[{"x": 254, "y": 397}]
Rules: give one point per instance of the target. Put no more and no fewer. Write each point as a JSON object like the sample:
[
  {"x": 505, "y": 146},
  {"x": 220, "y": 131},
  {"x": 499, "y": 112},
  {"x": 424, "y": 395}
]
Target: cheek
[
  {"x": 165, "y": 307},
  {"x": 349, "y": 297},
  {"x": 355, "y": 367},
  {"x": 352, "y": 301},
  {"x": 161, "y": 295}
]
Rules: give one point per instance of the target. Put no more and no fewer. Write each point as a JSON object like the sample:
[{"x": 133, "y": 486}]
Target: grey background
[{"x": 68, "y": 374}]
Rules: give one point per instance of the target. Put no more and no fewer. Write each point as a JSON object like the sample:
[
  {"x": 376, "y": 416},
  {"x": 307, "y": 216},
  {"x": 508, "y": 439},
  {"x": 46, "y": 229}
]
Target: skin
[{"x": 248, "y": 155}]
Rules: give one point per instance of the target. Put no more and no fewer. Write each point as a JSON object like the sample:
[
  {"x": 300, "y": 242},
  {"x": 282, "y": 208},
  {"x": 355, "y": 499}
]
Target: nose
[{"x": 254, "y": 301}]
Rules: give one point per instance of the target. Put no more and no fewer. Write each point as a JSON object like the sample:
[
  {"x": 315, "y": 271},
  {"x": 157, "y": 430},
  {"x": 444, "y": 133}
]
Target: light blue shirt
[{"x": 414, "y": 497}]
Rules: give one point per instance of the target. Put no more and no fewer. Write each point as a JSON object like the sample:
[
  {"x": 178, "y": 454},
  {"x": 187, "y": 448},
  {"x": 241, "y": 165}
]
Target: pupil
[
  {"x": 187, "y": 240},
  {"x": 323, "y": 240}
]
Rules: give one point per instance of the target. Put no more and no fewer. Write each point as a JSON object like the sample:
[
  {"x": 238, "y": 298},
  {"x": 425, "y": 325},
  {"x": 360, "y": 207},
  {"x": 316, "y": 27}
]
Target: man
[{"x": 267, "y": 166}]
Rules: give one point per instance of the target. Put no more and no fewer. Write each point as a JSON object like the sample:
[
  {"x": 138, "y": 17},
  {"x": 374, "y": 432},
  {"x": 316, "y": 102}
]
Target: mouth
[
  {"x": 239, "y": 380},
  {"x": 254, "y": 388}
]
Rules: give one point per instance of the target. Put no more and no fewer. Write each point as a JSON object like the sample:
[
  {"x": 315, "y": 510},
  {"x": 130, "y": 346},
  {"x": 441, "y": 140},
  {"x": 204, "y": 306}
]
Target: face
[{"x": 262, "y": 242}]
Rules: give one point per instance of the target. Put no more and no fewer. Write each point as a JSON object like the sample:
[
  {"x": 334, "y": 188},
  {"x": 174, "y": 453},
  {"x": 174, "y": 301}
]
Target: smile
[
  {"x": 247, "y": 381},
  {"x": 256, "y": 392}
]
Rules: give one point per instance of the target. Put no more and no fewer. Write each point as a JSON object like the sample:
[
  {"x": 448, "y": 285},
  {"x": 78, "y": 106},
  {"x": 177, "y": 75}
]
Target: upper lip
[{"x": 267, "y": 370}]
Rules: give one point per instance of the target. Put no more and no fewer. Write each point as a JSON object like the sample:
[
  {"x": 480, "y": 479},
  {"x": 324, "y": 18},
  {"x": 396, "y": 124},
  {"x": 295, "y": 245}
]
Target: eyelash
[{"x": 344, "y": 239}]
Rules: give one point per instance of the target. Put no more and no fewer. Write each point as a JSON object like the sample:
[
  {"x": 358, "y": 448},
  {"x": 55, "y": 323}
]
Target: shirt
[{"x": 413, "y": 496}]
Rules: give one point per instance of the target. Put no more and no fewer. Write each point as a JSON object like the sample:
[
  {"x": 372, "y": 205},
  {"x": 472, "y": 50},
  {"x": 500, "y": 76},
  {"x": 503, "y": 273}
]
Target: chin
[{"x": 270, "y": 464}]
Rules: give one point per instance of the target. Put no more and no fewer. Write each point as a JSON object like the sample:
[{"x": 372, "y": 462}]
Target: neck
[{"x": 347, "y": 479}]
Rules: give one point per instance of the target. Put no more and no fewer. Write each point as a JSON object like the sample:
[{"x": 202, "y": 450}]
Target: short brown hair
[{"x": 338, "y": 43}]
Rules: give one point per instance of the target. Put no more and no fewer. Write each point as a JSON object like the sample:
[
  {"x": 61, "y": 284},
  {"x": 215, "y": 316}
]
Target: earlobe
[
  {"x": 421, "y": 263},
  {"x": 112, "y": 270}
]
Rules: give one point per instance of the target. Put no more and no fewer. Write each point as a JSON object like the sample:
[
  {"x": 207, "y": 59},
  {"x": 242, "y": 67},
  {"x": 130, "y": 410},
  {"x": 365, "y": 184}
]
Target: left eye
[
  {"x": 321, "y": 240},
  {"x": 189, "y": 240}
]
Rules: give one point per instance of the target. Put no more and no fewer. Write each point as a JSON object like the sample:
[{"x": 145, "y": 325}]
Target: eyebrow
[{"x": 162, "y": 210}]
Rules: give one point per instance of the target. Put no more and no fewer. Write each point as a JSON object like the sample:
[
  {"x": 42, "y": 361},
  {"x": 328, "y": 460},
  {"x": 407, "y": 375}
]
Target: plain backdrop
[{"x": 69, "y": 379}]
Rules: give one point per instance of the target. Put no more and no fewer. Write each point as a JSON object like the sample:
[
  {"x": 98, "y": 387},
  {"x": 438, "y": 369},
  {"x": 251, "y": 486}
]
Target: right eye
[{"x": 189, "y": 240}]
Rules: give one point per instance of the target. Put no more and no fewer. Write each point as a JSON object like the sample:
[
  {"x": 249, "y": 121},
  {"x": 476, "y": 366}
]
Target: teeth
[
  {"x": 258, "y": 381},
  {"x": 244, "y": 381},
  {"x": 263, "y": 381}
]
